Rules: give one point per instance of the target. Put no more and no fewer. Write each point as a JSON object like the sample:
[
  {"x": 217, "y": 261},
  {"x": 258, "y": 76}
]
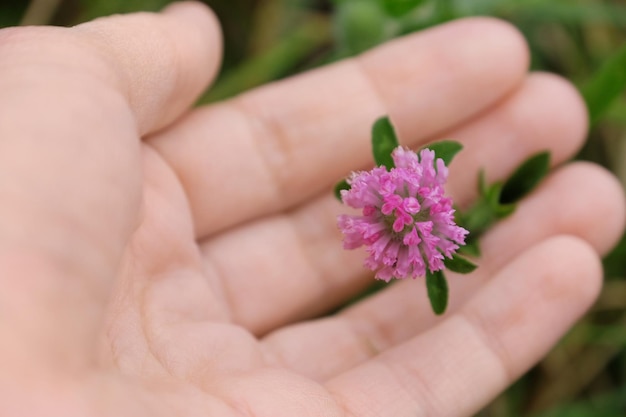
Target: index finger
[{"x": 276, "y": 146}]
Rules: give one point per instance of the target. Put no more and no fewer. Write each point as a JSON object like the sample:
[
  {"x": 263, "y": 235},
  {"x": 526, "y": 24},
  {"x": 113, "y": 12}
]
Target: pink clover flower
[{"x": 406, "y": 223}]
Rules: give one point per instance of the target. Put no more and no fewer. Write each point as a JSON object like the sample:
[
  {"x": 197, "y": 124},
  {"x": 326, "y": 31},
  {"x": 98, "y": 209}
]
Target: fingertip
[
  {"x": 504, "y": 36},
  {"x": 196, "y": 13},
  {"x": 162, "y": 61},
  {"x": 613, "y": 211},
  {"x": 566, "y": 115},
  {"x": 478, "y": 61},
  {"x": 204, "y": 45},
  {"x": 185, "y": 8},
  {"x": 597, "y": 190},
  {"x": 573, "y": 257},
  {"x": 504, "y": 51},
  {"x": 493, "y": 44}
]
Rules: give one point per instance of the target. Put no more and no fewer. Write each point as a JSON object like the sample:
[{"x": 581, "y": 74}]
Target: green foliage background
[{"x": 583, "y": 40}]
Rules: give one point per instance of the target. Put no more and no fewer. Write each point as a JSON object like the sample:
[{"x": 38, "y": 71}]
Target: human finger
[
  {"x": 160, "y": 62},
  {"x": 277, "y": 146},
  {"x": 73, "y": 104},
  {"x": 458, "y": 366}
]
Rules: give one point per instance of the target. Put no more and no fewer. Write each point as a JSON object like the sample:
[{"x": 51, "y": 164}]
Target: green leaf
[
  {"x": 527, "y": 176},
  {"x": 459, "y": 265},
  {"x": 493, "y": 198},
  {"x": 479, "y": 217},
  {"x": 384, "y": 141},
  {"x": 397, "y": 8},
  {"x": 606, "y": 85},
  {"x": 504, "y": 210},
  {"x": 437, "y": 291},
  {"x": 492, "y": 194},
  {"x": 341, "y": 185},
  {"x": 445, "y": 149}
]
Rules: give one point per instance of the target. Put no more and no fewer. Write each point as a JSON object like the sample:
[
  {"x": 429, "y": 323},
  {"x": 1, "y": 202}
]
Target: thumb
[{"x": 74, "y": 104}]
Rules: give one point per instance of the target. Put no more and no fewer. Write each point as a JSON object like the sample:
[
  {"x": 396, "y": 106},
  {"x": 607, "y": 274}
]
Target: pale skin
[{"x": 163, "y": 261}]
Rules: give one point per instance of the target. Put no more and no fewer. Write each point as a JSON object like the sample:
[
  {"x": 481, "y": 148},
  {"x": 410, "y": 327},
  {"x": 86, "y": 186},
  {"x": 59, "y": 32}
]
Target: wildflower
[{"x": 407, "y": 223}]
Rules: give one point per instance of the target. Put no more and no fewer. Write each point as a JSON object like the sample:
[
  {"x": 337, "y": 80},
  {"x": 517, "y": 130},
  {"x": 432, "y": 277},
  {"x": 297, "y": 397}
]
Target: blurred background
[{"x": 583, "y": 40}]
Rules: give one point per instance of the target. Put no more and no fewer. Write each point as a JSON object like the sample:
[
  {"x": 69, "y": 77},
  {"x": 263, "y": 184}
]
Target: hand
[{"x": 161, "y": 261}]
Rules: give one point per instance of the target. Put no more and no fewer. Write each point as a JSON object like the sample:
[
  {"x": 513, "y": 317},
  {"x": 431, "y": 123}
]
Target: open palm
[{"x": 157, "y": 260}]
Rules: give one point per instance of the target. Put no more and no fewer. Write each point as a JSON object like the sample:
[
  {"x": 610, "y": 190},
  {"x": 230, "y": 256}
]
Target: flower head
[{"x": 407, "y": 223}]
